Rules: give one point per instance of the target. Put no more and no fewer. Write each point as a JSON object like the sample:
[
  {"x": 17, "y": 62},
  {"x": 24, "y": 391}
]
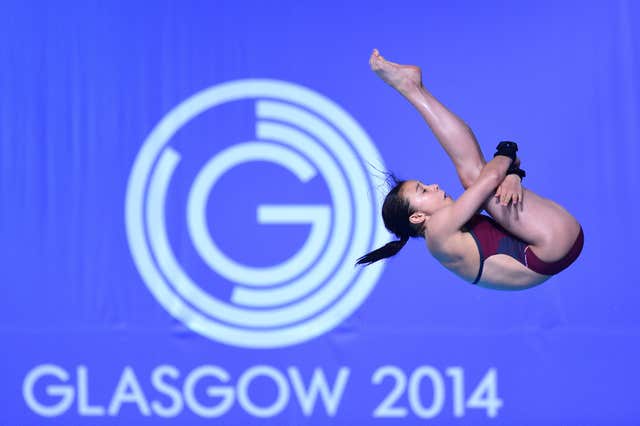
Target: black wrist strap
[
  {"x": 516, "y": 171},
  {"x": 508, "y": 149}
]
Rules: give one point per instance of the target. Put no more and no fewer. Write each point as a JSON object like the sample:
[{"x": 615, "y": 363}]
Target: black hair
[{"x": 395, "y": 215}]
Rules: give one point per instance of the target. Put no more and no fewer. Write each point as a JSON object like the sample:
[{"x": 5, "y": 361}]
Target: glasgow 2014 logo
[{"x": 269, "y": 306}]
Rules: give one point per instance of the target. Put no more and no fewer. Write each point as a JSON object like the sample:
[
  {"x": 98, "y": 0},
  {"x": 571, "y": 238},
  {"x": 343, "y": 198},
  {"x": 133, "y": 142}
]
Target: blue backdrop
[{"x": 184, "y": 187}]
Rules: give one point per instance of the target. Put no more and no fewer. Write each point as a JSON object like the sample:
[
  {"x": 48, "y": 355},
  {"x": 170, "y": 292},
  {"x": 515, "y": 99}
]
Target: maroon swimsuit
[{"x": 492, "y": 238}]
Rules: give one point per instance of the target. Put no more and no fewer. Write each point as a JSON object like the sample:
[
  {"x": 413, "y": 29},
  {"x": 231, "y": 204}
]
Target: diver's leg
[
  {"x": 454, "y": 135},
  {"x": 547, "y": 226}
]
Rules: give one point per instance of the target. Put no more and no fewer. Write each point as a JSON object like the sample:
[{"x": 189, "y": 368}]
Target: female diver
[{"x": 526, "y": 240}]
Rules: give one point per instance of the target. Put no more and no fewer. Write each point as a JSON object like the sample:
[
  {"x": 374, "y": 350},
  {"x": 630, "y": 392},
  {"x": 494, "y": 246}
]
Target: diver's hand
[{"x": 510, "y": 191}]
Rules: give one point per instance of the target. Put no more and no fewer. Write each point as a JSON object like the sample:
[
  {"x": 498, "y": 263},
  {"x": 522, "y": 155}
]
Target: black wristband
[
  {"x": 508, "y": 149},
  {"x": 516, "y": 171}
]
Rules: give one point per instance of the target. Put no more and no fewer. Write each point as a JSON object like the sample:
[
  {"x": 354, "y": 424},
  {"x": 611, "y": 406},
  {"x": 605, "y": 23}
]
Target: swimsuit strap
[
  {"x": 477, "y": 240},
  {"x": 479, "y": 271}
]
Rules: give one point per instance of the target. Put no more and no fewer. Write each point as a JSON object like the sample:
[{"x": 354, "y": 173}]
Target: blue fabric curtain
[{"x": 112, "y": 115}]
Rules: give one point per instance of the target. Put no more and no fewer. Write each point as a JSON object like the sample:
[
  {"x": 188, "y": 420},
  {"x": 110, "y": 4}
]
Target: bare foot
[{"x": 403, "y": 78}]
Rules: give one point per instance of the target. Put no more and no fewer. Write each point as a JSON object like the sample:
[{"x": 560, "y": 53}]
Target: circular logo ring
[{"x": 340, "y": 294}]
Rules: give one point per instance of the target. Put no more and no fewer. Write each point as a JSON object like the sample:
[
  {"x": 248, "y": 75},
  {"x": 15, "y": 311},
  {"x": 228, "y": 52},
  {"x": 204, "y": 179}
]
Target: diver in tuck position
[{"x": 526, "y": 240}]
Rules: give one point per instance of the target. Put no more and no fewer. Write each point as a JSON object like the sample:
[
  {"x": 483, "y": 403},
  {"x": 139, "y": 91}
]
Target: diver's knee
[{"x": 469, "y": 174}]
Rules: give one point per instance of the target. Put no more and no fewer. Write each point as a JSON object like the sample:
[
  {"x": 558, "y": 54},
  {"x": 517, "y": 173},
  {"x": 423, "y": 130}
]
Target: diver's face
[{"x": 425, "y": 198}]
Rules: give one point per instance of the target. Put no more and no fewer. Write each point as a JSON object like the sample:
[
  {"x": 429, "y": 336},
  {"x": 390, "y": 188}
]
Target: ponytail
[
  {"x": 395, "y": 215},
  {"x": 388, "y": 250}
]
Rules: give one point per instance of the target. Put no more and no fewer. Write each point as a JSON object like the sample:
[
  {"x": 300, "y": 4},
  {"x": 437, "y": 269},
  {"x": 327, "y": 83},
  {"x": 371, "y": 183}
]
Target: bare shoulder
[
  {"x": 439, "y": 229},
  {"x": 445, "y": 246}
]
